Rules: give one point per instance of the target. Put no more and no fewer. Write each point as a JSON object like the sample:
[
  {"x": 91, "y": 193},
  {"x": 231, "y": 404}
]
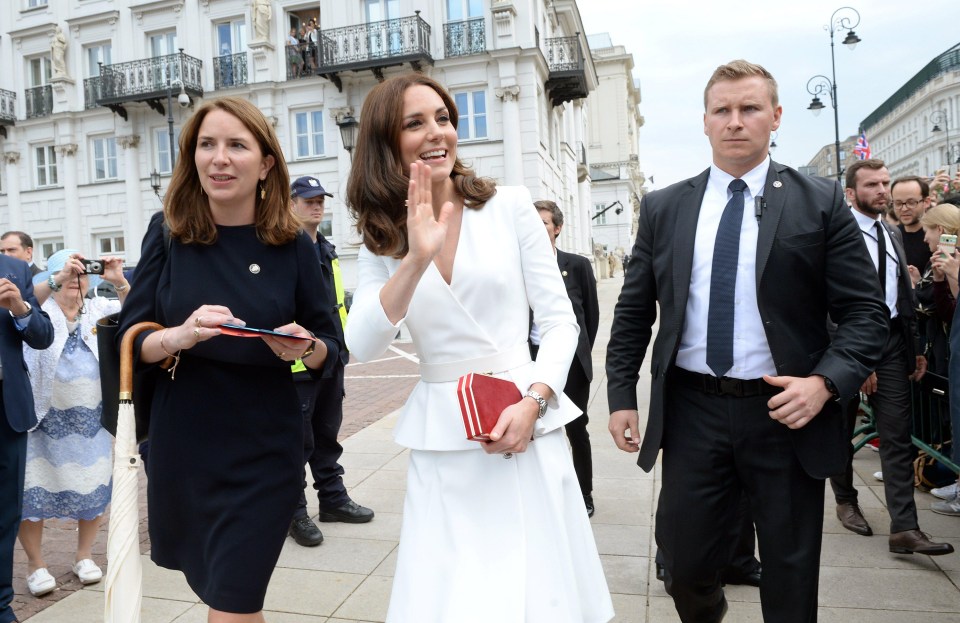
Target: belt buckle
[{"x": 727, "y": 385}]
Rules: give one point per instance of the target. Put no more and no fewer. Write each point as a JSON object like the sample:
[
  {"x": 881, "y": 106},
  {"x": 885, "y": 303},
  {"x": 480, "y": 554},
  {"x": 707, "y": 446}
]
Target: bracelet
[
  {"x": 123, "y": 287},
  {"x": 54, "y": 287},
  {"x": 176, "y": 357}
]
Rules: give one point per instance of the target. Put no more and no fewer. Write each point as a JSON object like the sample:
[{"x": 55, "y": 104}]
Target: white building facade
[
  {"x": 84, "y": 124},
  {"x": 614, "y": 147},
  {"x": 917, "y": 130}
]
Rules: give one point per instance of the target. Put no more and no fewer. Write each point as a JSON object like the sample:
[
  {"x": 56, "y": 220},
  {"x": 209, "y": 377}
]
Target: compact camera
[{"x": 92, "y": 267}]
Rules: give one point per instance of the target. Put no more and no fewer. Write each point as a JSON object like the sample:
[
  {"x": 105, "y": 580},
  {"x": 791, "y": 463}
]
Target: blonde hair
[
  {"x": 738, "y": 70},
  {"x": 945, "y": 215}
]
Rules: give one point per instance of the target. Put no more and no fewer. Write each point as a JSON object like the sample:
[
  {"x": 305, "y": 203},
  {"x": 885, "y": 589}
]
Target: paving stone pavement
[{"x": 348, "y": 578}]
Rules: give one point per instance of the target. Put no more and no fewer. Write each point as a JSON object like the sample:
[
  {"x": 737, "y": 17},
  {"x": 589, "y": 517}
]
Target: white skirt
[{"x": 491, "y": 539}]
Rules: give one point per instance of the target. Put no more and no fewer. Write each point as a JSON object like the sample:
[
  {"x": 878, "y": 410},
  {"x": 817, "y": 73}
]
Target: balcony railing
[
  {"x": 39, "y": 101},
  {"x": 373, "y": 46},
  {"x": 8, "y": 110},
  {"x": 147, "y": 80},
  {"x": 464, "y": 38},
  {"x": 567, "y": 80},
  {"x": 301, "y": 60},
  {"x": 229, "y": 71},
  {"x": 92, "y": 92}
]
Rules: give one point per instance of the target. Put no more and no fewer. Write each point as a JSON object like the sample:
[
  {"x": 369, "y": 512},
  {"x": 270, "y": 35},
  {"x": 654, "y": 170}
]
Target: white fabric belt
[{"x": 491, "y": 364}]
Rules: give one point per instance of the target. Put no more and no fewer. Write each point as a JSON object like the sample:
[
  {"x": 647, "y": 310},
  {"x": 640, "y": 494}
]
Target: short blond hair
[
  {"x": 945, "y": 215},
  {"x": 738, "y": 70}
]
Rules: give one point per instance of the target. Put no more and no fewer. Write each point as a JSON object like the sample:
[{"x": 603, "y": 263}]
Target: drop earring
[{"x": 263, "y": 192}]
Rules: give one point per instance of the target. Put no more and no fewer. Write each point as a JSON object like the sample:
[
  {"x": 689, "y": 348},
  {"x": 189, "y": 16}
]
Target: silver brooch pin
[
  {"x": 565, "y": 273},
  {"x": 255, "y": 269},
  {"x": 777, "y": 184}
]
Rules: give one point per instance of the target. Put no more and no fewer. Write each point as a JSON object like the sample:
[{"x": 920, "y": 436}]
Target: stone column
[
  {"x": 512, "y": 148},
  {"x": 67, "y": 168},
  {"x": 584, "y": 199},
  {"x": 12, "y": 158},
  {"x": 133, "y": 232}
]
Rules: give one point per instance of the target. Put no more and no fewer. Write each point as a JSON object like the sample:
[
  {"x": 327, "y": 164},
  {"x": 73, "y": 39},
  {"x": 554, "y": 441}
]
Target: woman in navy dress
[{"x": 225, "y": 429}]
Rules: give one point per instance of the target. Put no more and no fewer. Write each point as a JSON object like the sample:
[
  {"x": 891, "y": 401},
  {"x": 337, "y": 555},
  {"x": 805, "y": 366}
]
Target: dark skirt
[{"x": 226, "y": 454}]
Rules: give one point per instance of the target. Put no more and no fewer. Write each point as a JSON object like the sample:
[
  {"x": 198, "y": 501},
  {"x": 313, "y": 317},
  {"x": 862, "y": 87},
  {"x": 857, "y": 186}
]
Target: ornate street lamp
[
  {"x": 348, "y": 132},
  {"x": 938, "y": 117},
  {"x": 155, "y": 182},
  {"x": 773, "y": 141},
  {"x": 825, "y": 85}
]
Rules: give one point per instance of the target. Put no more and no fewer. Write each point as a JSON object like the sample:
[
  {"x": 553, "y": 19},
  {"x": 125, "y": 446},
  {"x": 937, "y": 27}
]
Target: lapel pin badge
[
  {"x": 255, "y": 269},
  {"x": 565, "y": 273},
  {"x": 777, "y": 183}
]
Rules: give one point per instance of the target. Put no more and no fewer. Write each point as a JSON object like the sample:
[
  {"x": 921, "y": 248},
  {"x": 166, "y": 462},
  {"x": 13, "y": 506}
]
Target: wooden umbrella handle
[{"x": 126, "y": 356}]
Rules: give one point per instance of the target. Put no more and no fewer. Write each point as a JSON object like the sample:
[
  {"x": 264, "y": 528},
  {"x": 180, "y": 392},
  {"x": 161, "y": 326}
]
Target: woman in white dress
[{"x": 492, "y": 531}]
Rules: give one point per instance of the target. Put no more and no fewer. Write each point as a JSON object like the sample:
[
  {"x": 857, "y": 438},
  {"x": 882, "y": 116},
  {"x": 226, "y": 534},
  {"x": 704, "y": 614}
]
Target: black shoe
[
  {"x": 351, "y": 512},
  {"x": 738, "y": 577},
  {"x": 305, "y": 532},
  {"x": 588, "y": 502}
]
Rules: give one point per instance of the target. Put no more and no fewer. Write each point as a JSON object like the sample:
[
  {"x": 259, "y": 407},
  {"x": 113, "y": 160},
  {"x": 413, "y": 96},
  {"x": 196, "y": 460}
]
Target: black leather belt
[{"x": 723, "y": 386}]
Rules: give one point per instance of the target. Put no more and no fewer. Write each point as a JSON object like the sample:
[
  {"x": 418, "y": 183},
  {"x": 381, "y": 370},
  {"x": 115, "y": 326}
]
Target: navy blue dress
[{"x": 226, "y": 436}]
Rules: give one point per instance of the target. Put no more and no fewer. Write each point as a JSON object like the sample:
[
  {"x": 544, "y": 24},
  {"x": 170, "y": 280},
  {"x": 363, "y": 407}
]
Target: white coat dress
[{"x": 486, "y": 538}]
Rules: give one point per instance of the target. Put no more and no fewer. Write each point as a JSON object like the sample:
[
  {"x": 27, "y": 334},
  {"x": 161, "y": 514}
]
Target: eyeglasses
[{"x": 909, "y": 203}]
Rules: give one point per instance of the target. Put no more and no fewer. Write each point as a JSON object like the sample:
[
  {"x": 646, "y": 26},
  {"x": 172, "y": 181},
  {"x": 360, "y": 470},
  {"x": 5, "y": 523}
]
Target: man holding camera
[{"x": 868, "y": 193}]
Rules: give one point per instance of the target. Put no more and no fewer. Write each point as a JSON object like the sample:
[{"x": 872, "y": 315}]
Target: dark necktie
[
  {"x": 723, "y": 283},
  {"x": 881, "y": 259}
]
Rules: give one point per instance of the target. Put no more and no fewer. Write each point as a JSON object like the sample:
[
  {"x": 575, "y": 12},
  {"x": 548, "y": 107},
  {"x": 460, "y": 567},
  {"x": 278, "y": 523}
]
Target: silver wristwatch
[{"x": 541, "y": 401}]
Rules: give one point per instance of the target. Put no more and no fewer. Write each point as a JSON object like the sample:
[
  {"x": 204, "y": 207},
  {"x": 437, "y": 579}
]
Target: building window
[
  {"x": 163, "y": 149},
  {"x": 231, "y": 37},
  {"x": 163, "y": 43},
  {"x": 104, "y": 159},
  {"x": 33, "y": 4},
  {"x": 96, "y": 54},
  {"x": 40, "y": 71},
  {"x": 110, "y": 244},
  {"x": 309, "y": 133},
  {"x": 598, "y": 209},
  {"x": 48, "y": 247},
  {"x": 46, "y": 166},
  {"x": 326, "y": 226},
  {"x": 472, "y": 107},
  {"x": 464, "y": 9}
]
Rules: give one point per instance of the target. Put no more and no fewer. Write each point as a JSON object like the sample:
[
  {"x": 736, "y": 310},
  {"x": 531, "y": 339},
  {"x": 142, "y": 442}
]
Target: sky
[{"x": 676, "y": 46}]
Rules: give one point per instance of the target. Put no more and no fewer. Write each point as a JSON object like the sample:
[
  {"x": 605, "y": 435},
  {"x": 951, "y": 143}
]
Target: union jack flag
[{"x": 862, "y": 149}]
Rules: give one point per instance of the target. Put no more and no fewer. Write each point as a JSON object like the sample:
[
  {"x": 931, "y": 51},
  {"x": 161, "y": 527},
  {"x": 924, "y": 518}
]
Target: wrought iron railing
[
  {"x": 92, "y": 92},
  {"x": 405, "y": 36},
  {"x": 301, "y": 60},
  {"x": 8, "y": 107},
  {"x": 149, "y": 76},
  {"x": 563, "y": 54},
  {"x": 229, "y": 70},
  {"x": 944, "y": 63},
  {"x": 39, "y": 101},
  {"x": 465, "y": 37}
]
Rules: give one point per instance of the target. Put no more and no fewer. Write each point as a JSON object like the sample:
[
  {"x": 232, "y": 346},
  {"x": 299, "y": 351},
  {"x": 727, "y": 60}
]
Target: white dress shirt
[
  {"x": 751, "y": 352},
  {"x": 868, "y": 227}
]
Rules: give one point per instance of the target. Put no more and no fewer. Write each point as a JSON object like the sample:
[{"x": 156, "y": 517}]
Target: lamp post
[
  {"x": 155, "y": 182},
  {"x": 773, "y": 141},
  {"x": 183, "y": 99},
  {"x": 348, "y": 133},
  {"x": 938, "y": 117},
  {"x": 823, "y": 84}
]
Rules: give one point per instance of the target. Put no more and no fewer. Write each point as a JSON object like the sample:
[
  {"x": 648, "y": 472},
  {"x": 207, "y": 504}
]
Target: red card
[{"x": 482, "y": 399}]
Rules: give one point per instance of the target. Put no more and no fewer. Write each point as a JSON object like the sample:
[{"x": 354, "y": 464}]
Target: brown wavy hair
[
  {"x": 377, "y": 186},
  {"x": 186, "y": 209}
]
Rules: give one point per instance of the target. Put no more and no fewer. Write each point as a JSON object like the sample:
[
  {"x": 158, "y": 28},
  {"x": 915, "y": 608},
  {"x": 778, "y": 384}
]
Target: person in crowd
[
  {"x": 492, "y": 530},
  {"x": 294, "y": 56},
  {"x": 750, "y": 230},
  {"x": 226, "y": 435},
  {"x": 23, "y": 323},
  {"x": 935, "y": 300},
  {"x": 321, "y": 401},
  {"x": 888, "y": 385},
  {"x": 69, "y": 455},
  {"x": 19, "y": 244},
  {"x": 581, "y": 285},
  {"x": 911, "y": 198}
]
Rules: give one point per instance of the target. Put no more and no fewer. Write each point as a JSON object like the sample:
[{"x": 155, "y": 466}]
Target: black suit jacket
[
  {"x": 808, "y": 247},
  {"x": 581, "y": 287},
  {"x": 906, "y": 299}
]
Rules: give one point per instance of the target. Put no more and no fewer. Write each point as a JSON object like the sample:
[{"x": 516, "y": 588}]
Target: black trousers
[
  {"x": 578, "y": 390},
  {"x": 716, "y": 448},
  {"x": 13, "y": 457},
  {"x": 893, "y": 417},
  {"x": 321, "y": 403}
]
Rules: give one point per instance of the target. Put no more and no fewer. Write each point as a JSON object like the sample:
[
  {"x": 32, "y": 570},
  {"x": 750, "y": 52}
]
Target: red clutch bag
[{"x": 482, "y": 399}]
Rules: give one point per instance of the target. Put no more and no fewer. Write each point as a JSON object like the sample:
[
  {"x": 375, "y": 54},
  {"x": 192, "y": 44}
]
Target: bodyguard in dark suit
[
  {"x": 321, "y": 400},
  {"x": 744, "y": 261},
  {"x": 21, "y": 321},
  {"x": 868, "y": 193},
  {"x": 582, "y": 289}
]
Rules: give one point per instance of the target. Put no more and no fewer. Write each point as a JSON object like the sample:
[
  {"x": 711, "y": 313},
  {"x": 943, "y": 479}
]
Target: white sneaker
[
  {"x": 87, "y": 571},
  {"x": 949, "y": 507},
  {"x": 945, "y": 493},
  {"x": 40, "y": 582},
  {"x": 878, "y": 476}
]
